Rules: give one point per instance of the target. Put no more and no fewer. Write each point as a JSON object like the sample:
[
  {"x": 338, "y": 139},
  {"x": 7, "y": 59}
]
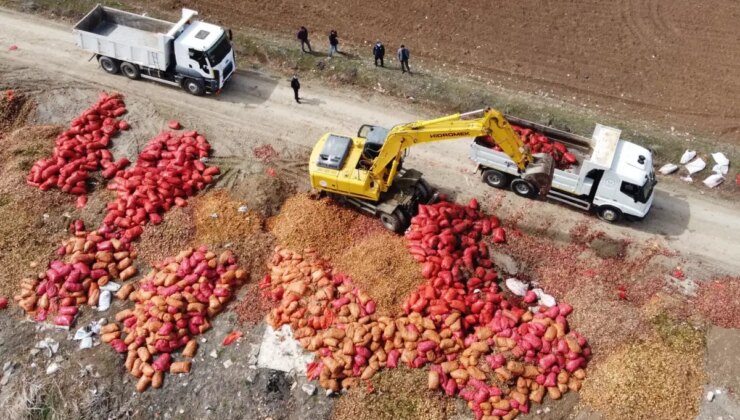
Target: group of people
[
  {"x": 403, "y": 54},
  {"x": 302, "y": 36}
]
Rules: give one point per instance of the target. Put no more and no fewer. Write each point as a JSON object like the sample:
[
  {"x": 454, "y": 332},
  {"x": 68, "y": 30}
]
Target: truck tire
[
  {"x": 108, "y": 64},
  {"x": 609, "y": 214},
  {"x": 130, "y": 70},
  {"x": 393, "y": 222},
  {"x": 523, "y": 188},
  {"x": 495, "y": 178},
  {"x": 194, "y": 87}
]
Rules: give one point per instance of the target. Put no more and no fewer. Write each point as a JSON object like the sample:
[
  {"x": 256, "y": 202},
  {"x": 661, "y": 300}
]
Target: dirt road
[{"x": 256, "y": 109}]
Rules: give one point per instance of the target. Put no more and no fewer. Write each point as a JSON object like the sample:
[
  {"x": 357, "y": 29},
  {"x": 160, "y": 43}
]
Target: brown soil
[
  {"x": 381, "y": 265},
  {"x": 666, "y": 61},
  {"x": 660, "y": 377},
  {"x": 242, "y": 233},
  {"x": 32, "y": 220},
  {"x": 304, "y": 222},
  {"x": 397, "y": 394},
  {"x": 175, "y": 233}
]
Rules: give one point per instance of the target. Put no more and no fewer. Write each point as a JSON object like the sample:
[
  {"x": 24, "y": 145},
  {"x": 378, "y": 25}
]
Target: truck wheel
[
  {"x": 609, "y": 214},
  {"x": 194, "y": 87},
  {"x": 108, "y": 64},
  {"x": 495, "y": 178},
  {"x": 393, "y": 222},
  {"x": 523, "y": 188},
  {"x": 130, "y": 70}
]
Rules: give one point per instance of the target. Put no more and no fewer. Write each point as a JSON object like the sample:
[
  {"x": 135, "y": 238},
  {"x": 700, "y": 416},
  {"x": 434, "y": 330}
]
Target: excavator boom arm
[{"x": 485, "y": 122}]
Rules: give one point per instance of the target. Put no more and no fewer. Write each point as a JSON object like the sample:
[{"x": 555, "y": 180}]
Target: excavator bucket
[{"x": 540, "y": 172}]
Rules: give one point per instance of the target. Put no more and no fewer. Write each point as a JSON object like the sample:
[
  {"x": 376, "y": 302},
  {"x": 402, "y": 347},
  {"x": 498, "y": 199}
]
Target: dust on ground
[
  {"x": 394, "y": 394},
  {"x": 661, "y": 376}
]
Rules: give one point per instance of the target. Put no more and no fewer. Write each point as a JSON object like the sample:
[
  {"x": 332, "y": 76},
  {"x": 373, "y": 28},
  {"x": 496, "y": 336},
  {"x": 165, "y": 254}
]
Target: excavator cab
[{"x": 374, "y": 137}]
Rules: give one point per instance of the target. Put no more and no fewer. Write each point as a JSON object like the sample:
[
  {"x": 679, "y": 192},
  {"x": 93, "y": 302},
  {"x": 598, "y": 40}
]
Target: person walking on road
[
  {"x": 333, "y": 42},
  {"x": 296, "y": 85},
  {"x": 379, "y": 53},
  {"x": 303, "y": 37},
  {"x": 403, "y": 57}
]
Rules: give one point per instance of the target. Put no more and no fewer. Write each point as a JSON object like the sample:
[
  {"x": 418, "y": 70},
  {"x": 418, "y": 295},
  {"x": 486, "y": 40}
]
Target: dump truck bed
[
  {"x": 125, "y": 36},
  {"x": 568, "y": 180}
]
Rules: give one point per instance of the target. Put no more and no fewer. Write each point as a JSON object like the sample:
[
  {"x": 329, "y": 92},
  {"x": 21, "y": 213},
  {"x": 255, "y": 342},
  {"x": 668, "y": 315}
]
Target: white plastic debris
[
  {"x": 309, "y": 389},
  {"x": 720, "y": 169},
  {"x": 111, "y": 286},
  {"x": 714, "y": 180},
  {"x": 49, "y": 344},
  {"x": 710, "y": 396},
  {"x": 243, "y": 209},
  {"x": 52, "y": 368},
  {"x": 696, "y": 165},
  {"x": 228, "y": 363},
  {"x": 687, "y": 156},
  {"x": 104, "y": 300},
  {"x": 214, "y": 215},
  {"x": 213, "y": 354},
  {"x": 668, "y": 169},
  {"x": 280, "y": 351},
  {"x": 86, "y": 343},
  {"x": 687, "y": 178},
  {"x": 516, "y": 286},
  {"x": 83, "y": 332},
  {"x": 721, "y": 159},
  {"x": 544, "y": 298}
]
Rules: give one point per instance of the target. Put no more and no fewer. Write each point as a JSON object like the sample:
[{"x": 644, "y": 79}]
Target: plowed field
[{"x": 673, "y": 62}]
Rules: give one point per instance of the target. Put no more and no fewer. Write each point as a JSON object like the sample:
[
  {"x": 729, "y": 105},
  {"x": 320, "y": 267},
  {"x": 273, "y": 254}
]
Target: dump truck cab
[
  {"x": 203, "y": 50},
  {"x": 628, "y": 183}
]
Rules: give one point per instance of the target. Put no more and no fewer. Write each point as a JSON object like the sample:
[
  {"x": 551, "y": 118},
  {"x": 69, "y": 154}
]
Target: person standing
[
  {"x": 403, "y": 57},
  {"x": 379, "y": 53},
  {"x": 303, "y": 37},
  {"x": 296, "y": 85},
  {"x": 333, "y": 42}
]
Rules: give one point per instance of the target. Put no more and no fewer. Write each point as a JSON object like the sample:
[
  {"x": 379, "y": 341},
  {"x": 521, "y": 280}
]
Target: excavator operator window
[{"x": 374, "y": 140}]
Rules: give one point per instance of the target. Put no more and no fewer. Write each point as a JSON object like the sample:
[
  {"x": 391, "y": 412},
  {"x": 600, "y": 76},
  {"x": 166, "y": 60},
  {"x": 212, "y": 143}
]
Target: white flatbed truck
[
  {"x": 613, "y": 177},
  {"x": 191, "y": 54}
]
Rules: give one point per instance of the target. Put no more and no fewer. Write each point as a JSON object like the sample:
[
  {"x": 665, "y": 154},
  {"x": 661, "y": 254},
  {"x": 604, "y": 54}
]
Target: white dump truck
[
  {"x": 191, "y": 54},
  {"x": 613, "y": 177}
]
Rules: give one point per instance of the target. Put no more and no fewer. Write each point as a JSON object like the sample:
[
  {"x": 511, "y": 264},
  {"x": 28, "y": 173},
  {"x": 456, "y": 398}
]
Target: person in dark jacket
[
  {"x": 379, "y": 53},
  {"x": 333, "y": 42},
  {"x": 302, "y": 36},
  {"x": 403, "y": 57},
  {"x": 296, "y": 85}
]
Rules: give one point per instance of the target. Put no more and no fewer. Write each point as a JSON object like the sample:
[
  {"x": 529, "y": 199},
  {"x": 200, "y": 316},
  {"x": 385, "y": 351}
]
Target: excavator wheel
[{"x": 395, "y": 222}]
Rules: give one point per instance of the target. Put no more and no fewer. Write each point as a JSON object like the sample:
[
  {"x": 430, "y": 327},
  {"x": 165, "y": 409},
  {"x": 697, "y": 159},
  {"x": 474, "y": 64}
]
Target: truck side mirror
[{"x": 231, "y": 36}]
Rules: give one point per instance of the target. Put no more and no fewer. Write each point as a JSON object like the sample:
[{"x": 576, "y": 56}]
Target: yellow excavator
[{"x": 367, "y": 171}]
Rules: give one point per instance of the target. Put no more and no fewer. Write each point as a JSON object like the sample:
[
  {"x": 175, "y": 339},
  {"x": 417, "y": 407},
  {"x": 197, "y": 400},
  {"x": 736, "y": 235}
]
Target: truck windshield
[{"x": 220, "y": 50}]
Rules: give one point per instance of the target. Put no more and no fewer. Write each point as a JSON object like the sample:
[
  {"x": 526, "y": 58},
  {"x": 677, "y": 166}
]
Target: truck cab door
[{"x": 199, "y": 62}]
